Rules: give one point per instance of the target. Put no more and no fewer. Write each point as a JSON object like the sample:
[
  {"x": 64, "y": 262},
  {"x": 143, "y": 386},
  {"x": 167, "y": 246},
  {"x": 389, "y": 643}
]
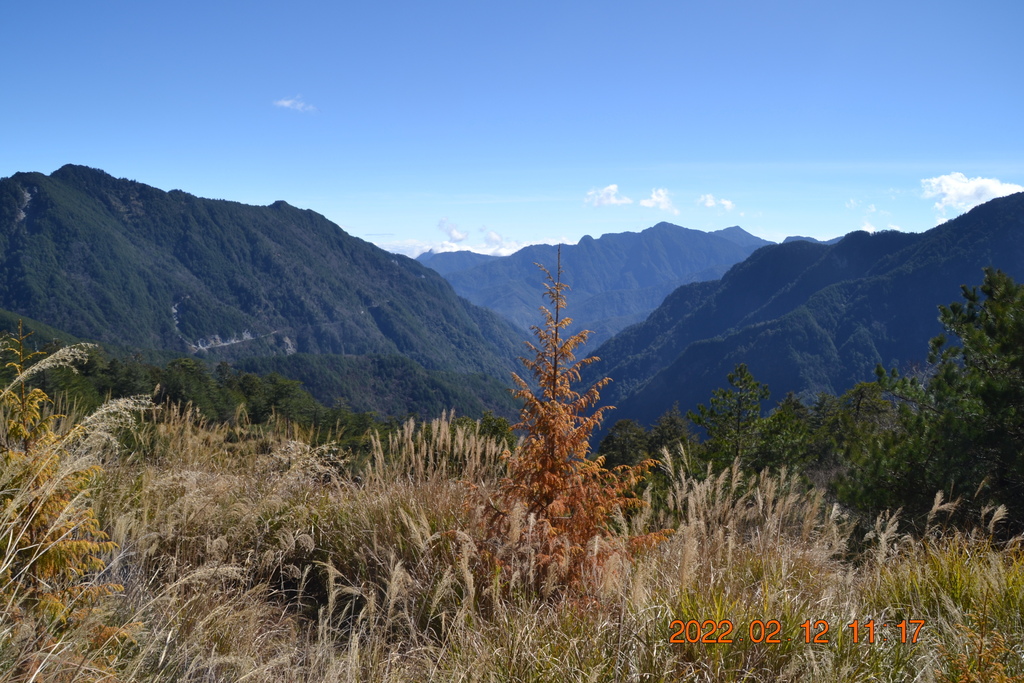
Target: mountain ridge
[
  {"x": 807, "y": 316},
  {"x": 616, "y": 279},
  {"x": 124, "y": 263}
]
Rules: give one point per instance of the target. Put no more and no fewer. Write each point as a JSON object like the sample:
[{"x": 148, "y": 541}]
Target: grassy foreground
[{"x": 246, "y": 555}]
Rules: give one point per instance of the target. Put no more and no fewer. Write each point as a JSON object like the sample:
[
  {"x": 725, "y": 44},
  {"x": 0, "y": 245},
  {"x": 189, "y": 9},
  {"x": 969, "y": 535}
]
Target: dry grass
[{"x": 249, "y": 556}]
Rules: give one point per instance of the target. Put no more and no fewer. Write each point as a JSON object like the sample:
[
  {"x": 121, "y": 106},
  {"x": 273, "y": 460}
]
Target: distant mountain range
[
  {"x": 799, "y": 238},
  {"x": 806, "y": 316},
  {"x": 616, "y": 279},
  {"x": 135, "y": 267},
  {"x": 84, "y": 255},
  {"x": 446, "y": 262}
]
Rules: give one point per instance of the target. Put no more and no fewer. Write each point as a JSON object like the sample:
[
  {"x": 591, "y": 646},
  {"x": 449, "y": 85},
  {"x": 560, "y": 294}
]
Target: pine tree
[
  {"x": 960, "y": 430},
  {"x": 569, "y": 497},
  {"x": 732, "y": 419}
]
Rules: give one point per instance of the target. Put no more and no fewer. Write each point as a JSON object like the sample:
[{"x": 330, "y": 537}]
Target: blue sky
[{"x": 491, "y": 125}]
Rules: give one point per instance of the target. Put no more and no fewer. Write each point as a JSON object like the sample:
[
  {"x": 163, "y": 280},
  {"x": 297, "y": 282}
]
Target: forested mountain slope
[
  {"x": 168, "y": 273},
  {"x": 808, "y": 317},
  {"x": 122, "y": 262}
]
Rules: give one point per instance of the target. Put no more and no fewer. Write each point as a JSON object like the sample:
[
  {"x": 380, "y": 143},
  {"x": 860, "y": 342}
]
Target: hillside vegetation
[
  {"x": 154, "y": 545},
  {"x": 167, "y": 274},
  {"x": 808, "y": 317}
]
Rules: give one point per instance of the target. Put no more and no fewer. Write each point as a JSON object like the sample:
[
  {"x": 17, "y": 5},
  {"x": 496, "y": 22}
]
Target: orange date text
[{"x": 771, "y": 631}]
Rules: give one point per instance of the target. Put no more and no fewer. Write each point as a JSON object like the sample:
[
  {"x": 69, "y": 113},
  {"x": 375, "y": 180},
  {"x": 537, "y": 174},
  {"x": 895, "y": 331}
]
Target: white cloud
[
  {"x": 295, "y": 103},
  {"x": 958, "y": 192},
  {"x": 868, "y": 227},
  {"x": 851, "y": 203},
  {"x": 608, "y": 196},
  {"x": 501, "y": 247},
  {"x": 659, "y": 199},
  {"x": 494, "y": 243},
  {"x": 710, "y": 201},
  {"x": 454, "y": 234},
  {"x": 895, "y": 227},
  {"x": 410, "y": 248}
]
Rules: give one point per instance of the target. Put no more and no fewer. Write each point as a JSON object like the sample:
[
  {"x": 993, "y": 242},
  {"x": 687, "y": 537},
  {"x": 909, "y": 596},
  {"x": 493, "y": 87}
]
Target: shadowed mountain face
[
  {"x": 127, "y": 264},
  {"x": 808, "y": 317},
  {"x": 616, "y": 279}
]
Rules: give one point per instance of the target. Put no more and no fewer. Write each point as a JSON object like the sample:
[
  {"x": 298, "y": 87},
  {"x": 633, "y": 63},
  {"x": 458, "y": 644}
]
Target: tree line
[{"x": 954, "y": 426}]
